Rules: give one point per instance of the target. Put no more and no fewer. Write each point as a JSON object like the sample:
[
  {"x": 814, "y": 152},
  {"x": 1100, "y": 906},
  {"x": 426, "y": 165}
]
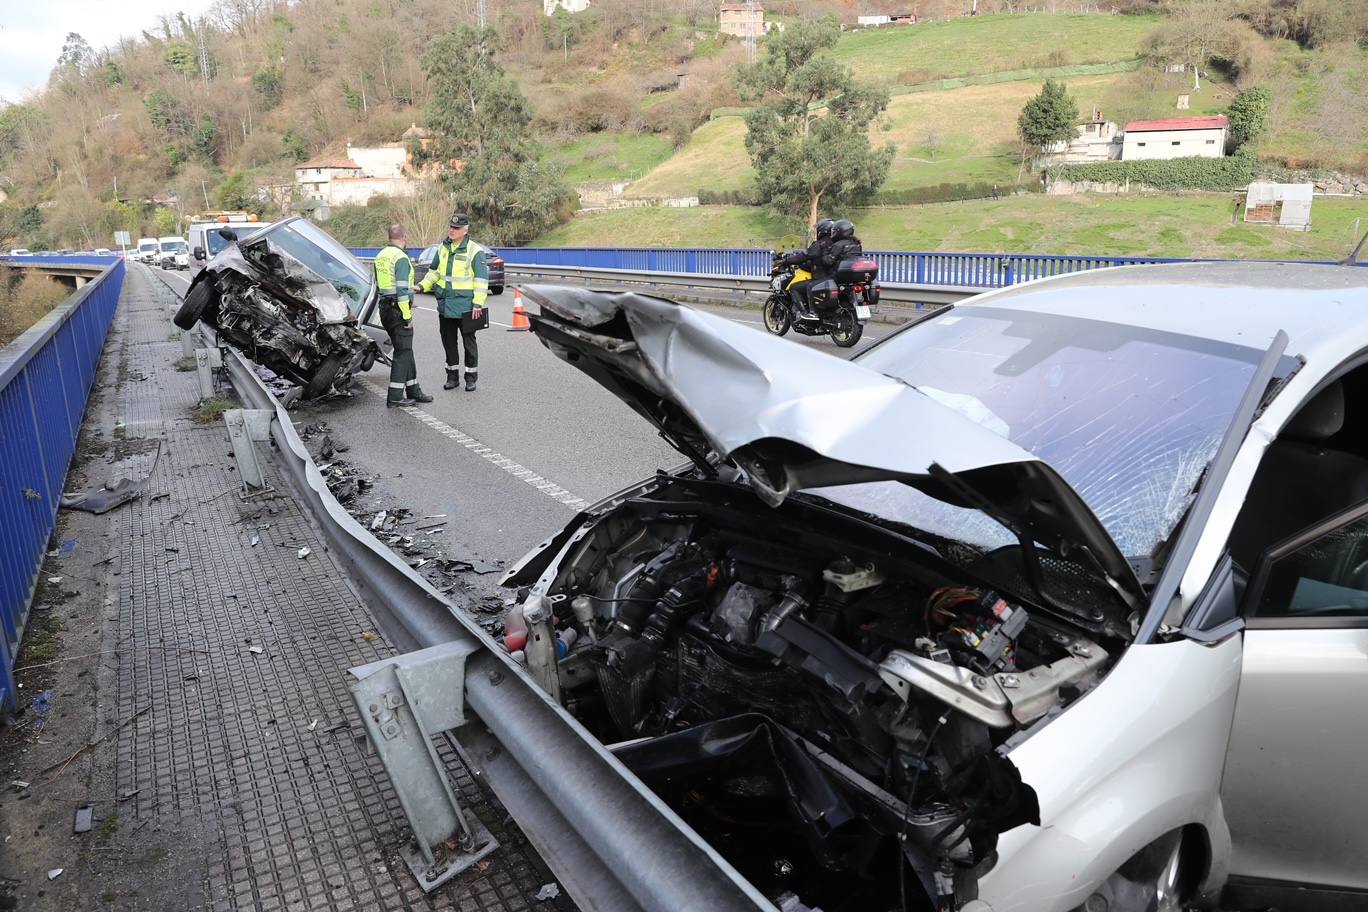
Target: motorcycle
[{"x": 838, "y": 305}]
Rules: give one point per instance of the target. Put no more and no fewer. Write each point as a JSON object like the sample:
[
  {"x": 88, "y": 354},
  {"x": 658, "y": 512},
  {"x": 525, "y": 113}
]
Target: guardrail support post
[
  {"x": 247, "y": 427},
  {"x": 187, "y": 343},
  {"x": 207, "y": 360},
  {"x": 404, "y": 702}
]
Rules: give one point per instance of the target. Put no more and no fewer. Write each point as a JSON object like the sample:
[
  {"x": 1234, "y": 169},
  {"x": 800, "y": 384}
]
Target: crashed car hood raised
[{"x": 793, "y": 418}]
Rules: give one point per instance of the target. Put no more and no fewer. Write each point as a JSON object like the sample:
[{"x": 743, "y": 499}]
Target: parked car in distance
[
  {"x": 423, "y": 262},
  {"x": 173, "y": 253},
  {"x": 102, "y": 251},
  {"x": 1054, "y": 600},
  {"x": 290, "y": 298},
  {"x": 19, "y": 251}
]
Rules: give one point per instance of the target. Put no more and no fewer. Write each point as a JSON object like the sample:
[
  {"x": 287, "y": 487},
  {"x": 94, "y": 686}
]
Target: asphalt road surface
[{"x": 512, "y": 462}]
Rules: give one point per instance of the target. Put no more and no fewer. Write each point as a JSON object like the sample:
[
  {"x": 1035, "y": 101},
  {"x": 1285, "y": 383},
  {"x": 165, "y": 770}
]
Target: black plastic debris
[{"x": 113, "y": 493}]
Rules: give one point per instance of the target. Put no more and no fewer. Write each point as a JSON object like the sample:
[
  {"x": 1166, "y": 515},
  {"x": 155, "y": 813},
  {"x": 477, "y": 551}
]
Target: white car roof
[{"x": 1238, "y": 303}]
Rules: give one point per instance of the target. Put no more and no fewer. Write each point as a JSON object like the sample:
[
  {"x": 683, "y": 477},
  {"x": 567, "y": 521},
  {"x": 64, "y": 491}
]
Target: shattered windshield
[
  {"x": 1130, "y": 417},
  {"x": 316, "y": 250}
]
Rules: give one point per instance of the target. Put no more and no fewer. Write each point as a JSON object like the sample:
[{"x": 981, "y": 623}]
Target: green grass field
[
  {"x": 608, "y": 156},
  {"x": 1149, "y": 225},
  {"x": 714, "y": 159},
  {"x": 905, "y": 55}
]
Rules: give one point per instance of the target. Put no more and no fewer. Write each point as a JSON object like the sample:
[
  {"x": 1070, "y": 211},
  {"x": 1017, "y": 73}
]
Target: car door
[{"x": 1295, "y": 789}]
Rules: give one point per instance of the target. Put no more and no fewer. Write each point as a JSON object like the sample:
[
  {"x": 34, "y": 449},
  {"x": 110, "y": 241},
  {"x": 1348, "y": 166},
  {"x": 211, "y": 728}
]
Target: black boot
[
  {"x": 416, "y": 393},
  {"x": 470, "y": 381},
  {"x": 453, "y": 380}
]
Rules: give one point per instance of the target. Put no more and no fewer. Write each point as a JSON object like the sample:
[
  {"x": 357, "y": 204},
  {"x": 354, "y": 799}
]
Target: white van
[
  {"x": 173, "y": 253},
  {"x": 148, "y": 249},
  {"x": 205, "y": 240}
]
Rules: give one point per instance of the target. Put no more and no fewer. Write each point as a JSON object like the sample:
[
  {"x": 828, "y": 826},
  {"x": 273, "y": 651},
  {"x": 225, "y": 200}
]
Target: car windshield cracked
[
  {"x": 1130, "y": 417},
  {"x": 319, "y": 253}
]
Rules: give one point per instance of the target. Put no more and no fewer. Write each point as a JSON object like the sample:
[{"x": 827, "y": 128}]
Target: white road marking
[{"x": 541, "y": 483}]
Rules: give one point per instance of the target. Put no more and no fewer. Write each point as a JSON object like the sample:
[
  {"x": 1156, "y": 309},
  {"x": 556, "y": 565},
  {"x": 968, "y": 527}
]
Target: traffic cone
[{"x": 520, "y": 321}]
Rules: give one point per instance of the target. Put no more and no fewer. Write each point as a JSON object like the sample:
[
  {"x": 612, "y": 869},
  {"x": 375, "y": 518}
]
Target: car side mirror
[
  {"x": 199, "y": 253},
  {"x": 228, "y": 234}
]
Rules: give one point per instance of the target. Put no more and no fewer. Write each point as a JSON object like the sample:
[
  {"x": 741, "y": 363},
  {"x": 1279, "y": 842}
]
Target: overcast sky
[{"x": 32, "y": 32}]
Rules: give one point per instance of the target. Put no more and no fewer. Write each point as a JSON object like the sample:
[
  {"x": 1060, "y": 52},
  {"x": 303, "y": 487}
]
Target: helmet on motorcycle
[
  {"x": 824, "y": 227},
  {"x": 845, "y": 228}
]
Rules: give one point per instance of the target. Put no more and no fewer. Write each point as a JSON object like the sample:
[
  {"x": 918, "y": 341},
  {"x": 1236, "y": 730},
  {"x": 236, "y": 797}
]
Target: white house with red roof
[{"x": 1175, "y": 137}]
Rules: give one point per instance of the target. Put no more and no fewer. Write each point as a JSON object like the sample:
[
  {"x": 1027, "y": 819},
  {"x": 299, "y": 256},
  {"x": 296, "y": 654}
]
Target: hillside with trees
[{"x": 216, "y": 112}]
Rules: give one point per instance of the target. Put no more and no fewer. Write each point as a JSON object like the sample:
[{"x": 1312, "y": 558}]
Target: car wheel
[
  {"x": 496, "y": 289},
  {"x": 323, "y": 377},
  {"x": 778, "y": 315},
  {"x": 1157, "y": 879},
  {"x": 192, "y": 308},
  {"x": 845, "y": 329}
]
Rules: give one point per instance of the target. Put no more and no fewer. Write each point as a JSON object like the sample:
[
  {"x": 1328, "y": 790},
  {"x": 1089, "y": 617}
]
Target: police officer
[
  {"x": 460, "y": 275},
  {"x": 394, "y": 281}
]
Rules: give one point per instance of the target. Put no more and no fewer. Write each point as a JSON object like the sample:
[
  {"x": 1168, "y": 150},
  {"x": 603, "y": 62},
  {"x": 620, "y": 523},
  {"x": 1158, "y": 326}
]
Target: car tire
[
  {"x": 496, "y": 289},
  {"x": 194, "y": 305},
  {"x": 1158, "y": 878},
  {"x": 323, "y": 377}
]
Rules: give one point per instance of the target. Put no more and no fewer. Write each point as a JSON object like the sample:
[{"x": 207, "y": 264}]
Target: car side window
[{"x": 1322, "y": 574}]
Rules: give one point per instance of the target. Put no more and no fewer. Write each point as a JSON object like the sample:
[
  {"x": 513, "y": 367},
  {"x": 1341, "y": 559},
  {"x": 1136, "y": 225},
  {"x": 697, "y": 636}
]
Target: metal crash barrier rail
[{"x": 45, "y": 380}]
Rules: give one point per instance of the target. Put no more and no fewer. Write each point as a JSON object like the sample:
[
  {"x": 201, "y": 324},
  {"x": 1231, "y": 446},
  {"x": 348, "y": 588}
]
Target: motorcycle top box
[{"x": 857, "y": 270}]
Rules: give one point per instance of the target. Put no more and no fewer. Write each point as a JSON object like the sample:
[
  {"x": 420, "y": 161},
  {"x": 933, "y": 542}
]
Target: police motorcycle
[{"x": 838, "y": 305}]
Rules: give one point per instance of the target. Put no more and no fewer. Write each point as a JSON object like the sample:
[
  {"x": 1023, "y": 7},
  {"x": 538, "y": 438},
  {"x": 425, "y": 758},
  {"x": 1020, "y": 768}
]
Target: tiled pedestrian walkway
[{"x": 237, "y": 777}]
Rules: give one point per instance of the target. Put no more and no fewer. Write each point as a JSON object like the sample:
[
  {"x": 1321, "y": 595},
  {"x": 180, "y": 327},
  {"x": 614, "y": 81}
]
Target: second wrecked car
[{"x": 292, "y": 299}]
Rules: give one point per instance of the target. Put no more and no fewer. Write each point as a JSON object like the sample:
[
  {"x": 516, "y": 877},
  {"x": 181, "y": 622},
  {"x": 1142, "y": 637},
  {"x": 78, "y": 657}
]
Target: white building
[
  {"x": 1175, "y": 137},
  {"x": 1288, "y": 205},
  {"x": 741, "y": 20},
  {"x": 570, "y": 6},
  {"x": 1095, "y": 141},
  {"x": 365, "y": 172}
]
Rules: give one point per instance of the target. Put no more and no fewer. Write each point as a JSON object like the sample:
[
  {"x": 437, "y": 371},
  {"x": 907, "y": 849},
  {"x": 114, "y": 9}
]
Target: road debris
[
  {"x": 304, "y": 552},
  {"x": 255, "y": 650},
  {"x": 85, "y": 815},
  {"x": 54, "y": 873},
  {"x": 547, "y": 892},
  {"x": 113, "y": 493}
]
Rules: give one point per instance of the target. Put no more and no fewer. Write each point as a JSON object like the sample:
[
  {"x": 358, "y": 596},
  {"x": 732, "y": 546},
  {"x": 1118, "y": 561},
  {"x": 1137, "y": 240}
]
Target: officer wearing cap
[{"x": 460, "y": 277}]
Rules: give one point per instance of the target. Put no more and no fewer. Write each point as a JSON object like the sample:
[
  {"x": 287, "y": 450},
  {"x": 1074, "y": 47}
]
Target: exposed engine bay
[
  {"x": 832, "y": 715},
  {"x": 293, "y": 341}
]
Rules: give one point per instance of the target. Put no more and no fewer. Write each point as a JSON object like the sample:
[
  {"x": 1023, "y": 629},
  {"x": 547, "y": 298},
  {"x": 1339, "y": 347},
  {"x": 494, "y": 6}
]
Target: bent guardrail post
[
  {"x": 206, "y": 361},
  {"x": 246, "y": 427},
  {"x": 404, "y": 703}
]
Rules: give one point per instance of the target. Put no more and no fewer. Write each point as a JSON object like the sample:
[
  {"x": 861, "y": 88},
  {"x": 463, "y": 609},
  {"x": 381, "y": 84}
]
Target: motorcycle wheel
[
  {"x": 845, "y": 329},
  {"x": 778, "y": 316}
]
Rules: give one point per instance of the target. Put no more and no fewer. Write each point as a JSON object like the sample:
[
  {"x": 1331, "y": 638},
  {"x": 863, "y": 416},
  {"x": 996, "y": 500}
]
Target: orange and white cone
[{"x": 520, "y": 321}]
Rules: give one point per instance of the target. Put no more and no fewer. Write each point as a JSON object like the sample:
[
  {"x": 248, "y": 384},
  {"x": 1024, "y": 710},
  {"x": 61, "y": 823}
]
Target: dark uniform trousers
[
  {"x": 454, "y": 339},
  {"x": 403, "y": 366}
]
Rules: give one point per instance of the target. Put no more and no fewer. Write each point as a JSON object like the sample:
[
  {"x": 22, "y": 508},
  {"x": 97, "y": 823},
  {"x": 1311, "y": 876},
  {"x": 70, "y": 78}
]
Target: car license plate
[{"x": 862, "y": 311}]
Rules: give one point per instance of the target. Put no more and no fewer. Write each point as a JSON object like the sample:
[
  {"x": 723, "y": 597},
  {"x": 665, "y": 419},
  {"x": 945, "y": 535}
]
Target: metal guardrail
[
  {"x": 590, "y": 819},
  {"x": 45, "y": 380},
  {"x": 904, "y": 294}
]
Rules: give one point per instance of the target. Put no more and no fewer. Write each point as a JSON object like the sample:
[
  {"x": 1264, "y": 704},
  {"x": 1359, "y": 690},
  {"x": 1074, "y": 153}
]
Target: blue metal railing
[
  {"x": 962, "y": 270},
  {"x": 45, "y": 380}
]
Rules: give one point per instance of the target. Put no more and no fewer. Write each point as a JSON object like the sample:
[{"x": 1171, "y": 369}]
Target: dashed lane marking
[{"x": 540, "y": 482}]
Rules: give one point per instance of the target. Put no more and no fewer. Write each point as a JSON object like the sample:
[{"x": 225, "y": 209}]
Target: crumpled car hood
[
  {"x": 792, "y": 418},
  {"x": 284, "y": 276}
]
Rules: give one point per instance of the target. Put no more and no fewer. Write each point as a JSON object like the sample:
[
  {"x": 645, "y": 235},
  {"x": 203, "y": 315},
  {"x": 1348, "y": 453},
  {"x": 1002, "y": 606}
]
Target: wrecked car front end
[
  {"x": 291, "y": 299},
  {"x": 827, "y": 697}
]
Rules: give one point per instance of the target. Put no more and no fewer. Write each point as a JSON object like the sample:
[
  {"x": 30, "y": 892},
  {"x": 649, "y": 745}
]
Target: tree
[
  {"x": 933, "y": 142},
  {"x": 236, "y": 193},
  {"x": 164, "y": 220},
  {"x": 180, "y": 56},
  {"x": 76, "y": 57},
  {"x": 809, "y": 138},
  {"x": 269, "y": 85},
  {"x": 481, "y": 140},
  {"x": 295, "y": 145},
  {"x": 1248, "y": 115},
  {"x": 1196, "y": 32},
  {"x": 1047, "y": 118}
]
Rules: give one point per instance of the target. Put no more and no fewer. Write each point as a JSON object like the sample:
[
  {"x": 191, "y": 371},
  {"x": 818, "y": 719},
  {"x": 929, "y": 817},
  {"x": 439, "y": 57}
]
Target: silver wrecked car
[
  {"x": 1055, "y": 600},
  {"x": 290, "y": 298}
]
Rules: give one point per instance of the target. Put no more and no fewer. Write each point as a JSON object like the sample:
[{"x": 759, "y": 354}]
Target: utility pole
[
  {"x": 203, "y": 55},
  {"x": 481, "y": 5}
]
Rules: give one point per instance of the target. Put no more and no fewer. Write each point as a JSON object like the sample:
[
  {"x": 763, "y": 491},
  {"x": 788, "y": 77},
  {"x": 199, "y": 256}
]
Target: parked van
[
  {"x": 205, "y": 240},
  {"x": 148, "y": 249}
]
